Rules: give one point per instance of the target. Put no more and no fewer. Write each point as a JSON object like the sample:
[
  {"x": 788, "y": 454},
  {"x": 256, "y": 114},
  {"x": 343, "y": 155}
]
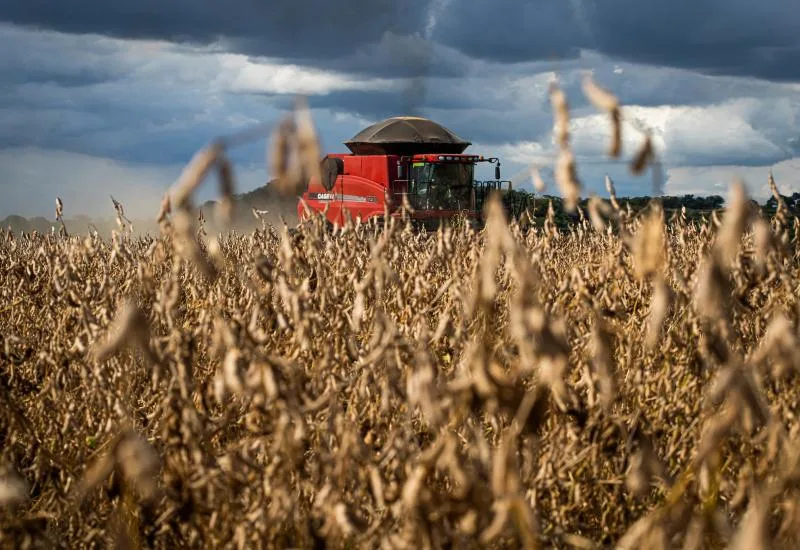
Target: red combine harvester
[{"x": 402, "y": 157}]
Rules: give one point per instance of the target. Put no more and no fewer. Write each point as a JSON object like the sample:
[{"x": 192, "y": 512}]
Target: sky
[{"x": 103, "y": 98}]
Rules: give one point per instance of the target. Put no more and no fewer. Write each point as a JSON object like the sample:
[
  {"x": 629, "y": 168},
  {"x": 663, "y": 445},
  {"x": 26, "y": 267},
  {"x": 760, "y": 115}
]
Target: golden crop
[{"x": 630, "y": 383}]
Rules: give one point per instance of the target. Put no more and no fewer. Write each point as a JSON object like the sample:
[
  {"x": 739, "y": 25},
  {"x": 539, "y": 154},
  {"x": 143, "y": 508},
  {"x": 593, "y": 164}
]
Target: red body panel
[
  {"x": 367, "y": 183},
  {"x": 361, "y": 191}
]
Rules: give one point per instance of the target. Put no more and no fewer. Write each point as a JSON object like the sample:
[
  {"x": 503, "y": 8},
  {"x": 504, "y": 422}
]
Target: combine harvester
[{"x": 404, "y": 158}]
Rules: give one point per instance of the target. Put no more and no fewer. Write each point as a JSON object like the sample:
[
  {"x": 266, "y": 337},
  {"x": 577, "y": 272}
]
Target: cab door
[{"x": 418, "y": 185}]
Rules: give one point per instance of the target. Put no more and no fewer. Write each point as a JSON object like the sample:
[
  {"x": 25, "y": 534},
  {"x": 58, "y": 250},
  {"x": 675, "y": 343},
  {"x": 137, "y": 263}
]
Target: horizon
[{"x": 111, "y": 217}]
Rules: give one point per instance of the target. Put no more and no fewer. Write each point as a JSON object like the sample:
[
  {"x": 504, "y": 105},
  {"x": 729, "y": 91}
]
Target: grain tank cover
[{"x": 406, "y": 135}]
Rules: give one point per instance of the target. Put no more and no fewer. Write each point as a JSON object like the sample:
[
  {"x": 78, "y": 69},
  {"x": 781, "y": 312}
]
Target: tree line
[{"x": 697, "y": 207}]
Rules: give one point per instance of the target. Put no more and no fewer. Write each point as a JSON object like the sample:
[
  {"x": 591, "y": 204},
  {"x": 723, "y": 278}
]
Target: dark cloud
[
  {"x": 400, "y": 56},
  {"x": 651, "y": 86},
  {"x": 734, "y": 37},
  {"x": 77, "y": 133},
  {"x": 377, "y": 105},
  {"x": 511, "y": 30},
  {"x": 496, "y": 127},
  {"x": 311, "y": 30},
  {"x": 65, "y": 80},
  {"x": 721, "y": 37},
  {"x": 385, "y": 37}
]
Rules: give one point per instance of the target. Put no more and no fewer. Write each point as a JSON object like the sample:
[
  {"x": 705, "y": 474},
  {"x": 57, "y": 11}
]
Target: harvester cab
[
  {"x": 401, "y": 160},
  {"x": 444, "y": 183}
]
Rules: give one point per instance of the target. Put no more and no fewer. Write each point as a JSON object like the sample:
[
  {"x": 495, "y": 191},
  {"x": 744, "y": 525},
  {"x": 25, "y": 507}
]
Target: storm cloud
[
  {"x": 718, "y": 37},
  {"x": 297, "y": 29},
  {"x": 721, "y": 37}
]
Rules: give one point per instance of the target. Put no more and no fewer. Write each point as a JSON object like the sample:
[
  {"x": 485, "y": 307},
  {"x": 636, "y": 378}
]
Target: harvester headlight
[{"x": 441, "y": 157}]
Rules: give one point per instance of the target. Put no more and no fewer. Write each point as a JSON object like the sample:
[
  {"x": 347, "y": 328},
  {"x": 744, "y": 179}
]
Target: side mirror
[
  {"x": 497, "y": 171},
  {"x": 400, "y": 170}
]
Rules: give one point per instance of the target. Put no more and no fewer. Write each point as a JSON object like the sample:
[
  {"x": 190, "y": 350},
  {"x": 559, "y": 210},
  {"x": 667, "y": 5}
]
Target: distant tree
[
  {"x": 17, "y": 224},
  {"x": 716, "y": 201},
  {"x": 792, "y": 202},
  {"x": 41, "y": 224}
]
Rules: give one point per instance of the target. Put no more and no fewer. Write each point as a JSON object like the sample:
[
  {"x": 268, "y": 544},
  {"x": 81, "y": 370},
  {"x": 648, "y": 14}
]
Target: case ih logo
[{"x": 345, "y": 198}]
